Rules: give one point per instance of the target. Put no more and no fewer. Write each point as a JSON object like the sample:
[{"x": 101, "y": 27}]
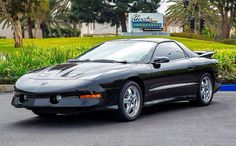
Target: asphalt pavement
[{"x": 169, "y": 124}]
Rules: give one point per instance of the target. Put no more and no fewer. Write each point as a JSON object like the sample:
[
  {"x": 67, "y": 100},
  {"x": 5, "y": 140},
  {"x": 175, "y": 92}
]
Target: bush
[
  {"x": 190, "y": 35},
  {"x": 229, "y": 41},
  {"x": 63, "y": 32},
  {"x": 202, "y": 37},
  {"x": 14, "y": 62}
]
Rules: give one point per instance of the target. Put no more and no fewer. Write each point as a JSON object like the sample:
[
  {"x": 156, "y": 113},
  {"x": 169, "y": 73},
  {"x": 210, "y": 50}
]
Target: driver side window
[{"x": 170, "y": 50}]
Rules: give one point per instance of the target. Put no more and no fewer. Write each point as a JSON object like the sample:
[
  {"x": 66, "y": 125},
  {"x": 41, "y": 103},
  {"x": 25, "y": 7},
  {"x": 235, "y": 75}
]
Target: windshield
[{"x": 120, "y": 51}]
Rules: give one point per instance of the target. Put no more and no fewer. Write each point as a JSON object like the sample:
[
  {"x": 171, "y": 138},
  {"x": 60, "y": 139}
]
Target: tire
[
  {"x": 44, "y": 114},
  {"x": 205, "y": 91},
  {"x": 130, "y": 101}
]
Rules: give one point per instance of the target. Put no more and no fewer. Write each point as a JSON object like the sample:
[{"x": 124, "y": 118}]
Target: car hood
[{"x": 83, "y": 70}]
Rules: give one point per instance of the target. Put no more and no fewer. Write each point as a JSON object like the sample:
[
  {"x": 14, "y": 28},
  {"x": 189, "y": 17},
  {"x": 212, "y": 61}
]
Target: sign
[{"x": 139, "y": 22}]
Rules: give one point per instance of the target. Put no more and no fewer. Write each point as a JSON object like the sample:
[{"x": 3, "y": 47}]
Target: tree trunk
[
  {"x": 196, "y": 26},
  {"x": 44, "y": 30},
  {"x": 30, "y": 28},
  {"x": 17, "y": 32},
  {"x": 226, "y": 26},
  {"x": 37, "y": 30},
  {"x": 123, "y": 23},
  {"x": 75, "y": 29},
  {"x": 23, "y": 31},
  {"x": 196, "y": 16},
  {"x": 117, "y": 30}
]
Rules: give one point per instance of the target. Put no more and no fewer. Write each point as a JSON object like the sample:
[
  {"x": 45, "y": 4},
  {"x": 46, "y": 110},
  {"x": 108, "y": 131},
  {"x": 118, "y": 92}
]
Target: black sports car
[{"x": 122, "y": 74}]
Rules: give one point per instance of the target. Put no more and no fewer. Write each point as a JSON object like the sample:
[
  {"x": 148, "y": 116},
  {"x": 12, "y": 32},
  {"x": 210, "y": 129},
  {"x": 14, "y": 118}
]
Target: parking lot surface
[{"x": 168, "y": 124}]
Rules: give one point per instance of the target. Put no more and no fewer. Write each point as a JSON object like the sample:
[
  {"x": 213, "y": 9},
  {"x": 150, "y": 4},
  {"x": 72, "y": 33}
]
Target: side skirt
[
  {"x": 154, "y": 102},
  {"x": 166, "y": 100}
]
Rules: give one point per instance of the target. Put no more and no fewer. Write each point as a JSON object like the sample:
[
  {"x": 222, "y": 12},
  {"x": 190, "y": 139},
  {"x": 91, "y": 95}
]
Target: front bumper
[
  {"x": 46, "y": 102},
  {"x": 68, "y": 101},
  {"x": 40, "y": 95}
]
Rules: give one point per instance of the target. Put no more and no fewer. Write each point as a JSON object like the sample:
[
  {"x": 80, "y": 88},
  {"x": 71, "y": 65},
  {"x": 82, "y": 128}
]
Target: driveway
[{"x": 168, "y": 124}]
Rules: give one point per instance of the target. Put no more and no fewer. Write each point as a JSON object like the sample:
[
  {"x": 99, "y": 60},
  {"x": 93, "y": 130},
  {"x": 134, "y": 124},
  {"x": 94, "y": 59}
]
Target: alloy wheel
[
  {"x": 131, "y": 101},
  {"x": 206, "y": 89}
]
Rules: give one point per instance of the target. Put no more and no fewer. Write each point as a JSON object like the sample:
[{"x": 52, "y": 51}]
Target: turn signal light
[{"x": 98, "y": 95}]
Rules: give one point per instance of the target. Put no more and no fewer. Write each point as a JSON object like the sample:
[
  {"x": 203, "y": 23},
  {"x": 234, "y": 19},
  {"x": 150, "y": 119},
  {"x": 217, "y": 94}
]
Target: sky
[{"x": 163, "y": 7}]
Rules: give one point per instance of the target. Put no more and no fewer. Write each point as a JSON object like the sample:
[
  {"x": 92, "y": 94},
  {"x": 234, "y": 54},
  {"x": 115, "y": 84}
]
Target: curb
[
  {"x": 228, "y": 87},
  {"x": 6, "y": 88},
  {"x": 224, "y": 87}
]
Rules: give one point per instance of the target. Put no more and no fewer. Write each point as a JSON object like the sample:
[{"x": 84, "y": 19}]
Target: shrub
[
  {"x": 62, "y": 32},
  {"x": 16, "y": 63},
  {"x": 229, "y": 41},
  {"x": 44, "y": 52},
  {"x": 190, "y": 35}
]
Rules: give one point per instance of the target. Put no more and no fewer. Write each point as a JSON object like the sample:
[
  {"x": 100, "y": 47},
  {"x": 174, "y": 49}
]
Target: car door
[{"x": 174, "y": 78}]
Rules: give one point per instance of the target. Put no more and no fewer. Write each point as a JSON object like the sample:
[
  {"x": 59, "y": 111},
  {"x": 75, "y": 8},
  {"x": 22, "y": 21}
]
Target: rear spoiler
[{"x": 205, "y": 54}]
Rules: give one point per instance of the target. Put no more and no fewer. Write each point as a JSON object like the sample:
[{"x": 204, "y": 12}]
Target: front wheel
[
  {"x": 205, "y": 90},
  {"x": 130, "y": 101}
]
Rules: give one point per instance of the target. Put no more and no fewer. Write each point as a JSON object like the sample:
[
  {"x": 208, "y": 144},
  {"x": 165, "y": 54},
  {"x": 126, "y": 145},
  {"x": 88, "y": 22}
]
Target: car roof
[{"x": 156, "y": 40}]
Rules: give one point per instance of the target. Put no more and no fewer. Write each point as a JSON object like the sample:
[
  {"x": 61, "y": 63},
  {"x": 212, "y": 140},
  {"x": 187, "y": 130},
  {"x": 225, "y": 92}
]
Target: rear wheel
[
  {"x": 130, "y": 101},
  {"x": 205, "y": 90},
  {"x": 44, "y": 114}
]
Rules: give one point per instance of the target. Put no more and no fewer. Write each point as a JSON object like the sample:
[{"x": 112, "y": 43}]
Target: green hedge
[
  {"x": 229, "y": 41},
  {"x": 191, "y": 36},
  {"x": 45, "y": 52}
]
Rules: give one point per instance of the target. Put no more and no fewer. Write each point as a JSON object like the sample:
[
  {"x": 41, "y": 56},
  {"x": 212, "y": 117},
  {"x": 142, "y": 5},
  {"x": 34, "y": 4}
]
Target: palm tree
[
  {"x": 11, "y": 11},
  {"x": 56, "y": 16},
  {"x": 196, "y": 10},
  {"x": 227, "y": 12},
  {"x": 14, "y": 12},
  {"x": 35, "y": 13}
]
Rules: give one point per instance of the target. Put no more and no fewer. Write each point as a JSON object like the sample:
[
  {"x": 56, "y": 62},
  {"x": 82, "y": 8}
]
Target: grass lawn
[{"x": 43, "y": 52}]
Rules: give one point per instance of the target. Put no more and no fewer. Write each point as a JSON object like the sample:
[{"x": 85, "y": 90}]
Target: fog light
[
  {"x": 22, "y": 98},
  {"x": 98, "y": 96},
  {"x": 55, "y": 99},
  {"x": 58, "y": 98}
]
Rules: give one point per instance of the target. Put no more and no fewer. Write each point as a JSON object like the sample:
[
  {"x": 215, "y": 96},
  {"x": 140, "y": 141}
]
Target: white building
[
  {"x": 87, "y": 29},
  {"x": 91, "y": 29},
  {"x": 175, "y": 27},
  {"x": 97, "y": 29},
  {"x": 6, "y": 32}
]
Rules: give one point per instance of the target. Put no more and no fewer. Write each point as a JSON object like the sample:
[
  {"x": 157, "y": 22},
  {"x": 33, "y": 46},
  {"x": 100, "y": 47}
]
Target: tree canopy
[
  {"x": 11, "y": 12},
  {"x": 110, "y": 11},
  {"x": 214, "y": 12},
  {"x": 227, "y": 10},
  {"x": 46, "y": 14},
  {"x": 196, "y": 10}
]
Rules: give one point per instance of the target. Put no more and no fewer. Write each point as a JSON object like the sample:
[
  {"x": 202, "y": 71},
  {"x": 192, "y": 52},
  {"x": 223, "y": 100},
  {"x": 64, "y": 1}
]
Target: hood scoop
[
  {"x": 88, "y": 70},
  {"x": 58, "y": 71},
  {"x": 48, "y": 73}
]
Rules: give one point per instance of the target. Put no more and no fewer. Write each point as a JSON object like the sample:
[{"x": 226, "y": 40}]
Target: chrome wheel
[
  {"x": 131, "y": 101},
  {"x": 206, "y": 89}
]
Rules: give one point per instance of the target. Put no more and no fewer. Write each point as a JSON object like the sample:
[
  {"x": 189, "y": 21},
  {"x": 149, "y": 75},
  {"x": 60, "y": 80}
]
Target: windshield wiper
[{"x": 110, "y": 61}]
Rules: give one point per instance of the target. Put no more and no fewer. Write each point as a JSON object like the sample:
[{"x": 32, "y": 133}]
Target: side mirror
[{"x": 158, "y": 60}]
